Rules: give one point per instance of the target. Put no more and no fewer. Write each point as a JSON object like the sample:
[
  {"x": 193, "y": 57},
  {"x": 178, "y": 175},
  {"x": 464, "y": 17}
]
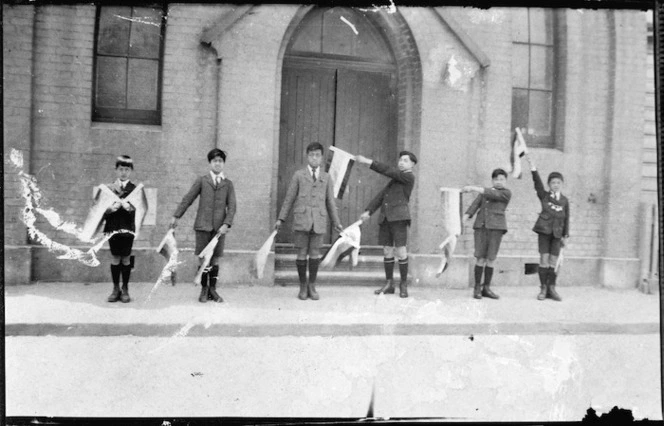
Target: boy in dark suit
[
  {"x": 394, "y": 217},
  {"x": 489, "y": 228},
  {"x": 120, "y": 218},
  {"x": 552, "y": 228},
  {"x": 216, "y": 210},
  {"x": 311, "y": 196}
]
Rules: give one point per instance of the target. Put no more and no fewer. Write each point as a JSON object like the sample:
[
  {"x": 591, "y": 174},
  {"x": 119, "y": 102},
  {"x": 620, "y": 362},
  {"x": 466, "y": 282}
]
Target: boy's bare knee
[
  {"x": 402, "y": 252},
  {"x": 480, "y": 261},
  {"x": 388, "y": 251}
]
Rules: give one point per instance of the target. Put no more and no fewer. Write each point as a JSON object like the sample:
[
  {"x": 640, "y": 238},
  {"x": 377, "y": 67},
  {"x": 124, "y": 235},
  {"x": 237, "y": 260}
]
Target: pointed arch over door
[{"x": 339, "y": 85}]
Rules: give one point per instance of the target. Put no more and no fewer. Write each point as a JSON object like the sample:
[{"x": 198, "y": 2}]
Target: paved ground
[{"x": 265, "y": 353}]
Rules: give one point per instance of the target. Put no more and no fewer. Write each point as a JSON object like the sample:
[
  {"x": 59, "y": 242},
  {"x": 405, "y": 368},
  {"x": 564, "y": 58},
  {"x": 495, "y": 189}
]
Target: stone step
[{"x": 338, "y": 278}]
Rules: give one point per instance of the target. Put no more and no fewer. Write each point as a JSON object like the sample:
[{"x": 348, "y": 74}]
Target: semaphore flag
[
  {"x": 262, "y": 254},
  {"x": 348, "y": 243},
  {"x": 451, "y": 217},
  {"x": 519, "y": 149},
  {"x": 168, "y": 248},
  {"x": 339, "y": 164}
]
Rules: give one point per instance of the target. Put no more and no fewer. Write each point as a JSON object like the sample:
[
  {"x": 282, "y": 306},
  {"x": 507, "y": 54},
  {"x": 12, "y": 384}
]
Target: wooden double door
[{"x": 339, "y": 104}]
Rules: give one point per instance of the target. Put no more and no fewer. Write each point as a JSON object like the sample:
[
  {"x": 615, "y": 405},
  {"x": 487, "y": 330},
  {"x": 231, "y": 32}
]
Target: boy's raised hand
[
  {"x": 365, "y": 216},
  {"x": 277, "y": 225},
  {"x": 174, "y": 223},
  {"x": 362, "y": 159}
]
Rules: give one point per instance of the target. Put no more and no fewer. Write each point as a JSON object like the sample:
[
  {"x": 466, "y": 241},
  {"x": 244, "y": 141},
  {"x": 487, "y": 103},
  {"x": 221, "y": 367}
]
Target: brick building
[{"x": 449, "y": 84}]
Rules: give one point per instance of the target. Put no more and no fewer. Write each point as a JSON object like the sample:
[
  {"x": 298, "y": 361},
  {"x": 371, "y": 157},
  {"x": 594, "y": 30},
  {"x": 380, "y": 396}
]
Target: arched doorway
[{"x": 339, "y": 83}]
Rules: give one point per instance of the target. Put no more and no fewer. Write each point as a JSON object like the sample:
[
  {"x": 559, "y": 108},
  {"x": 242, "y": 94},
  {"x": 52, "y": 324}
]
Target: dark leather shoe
[
  {"x": 302, "y": 295},
  {"x": 403, "y": 289},
  {"x": 542, "y": 294},
  {"x": 486, "y": 292},
  {"x": 388, "y": 288},
  {"x": 312, "y": 292},
  {"x": 204, "y": 294},
  {"x": 115, "y": 296},
  {"x": 477, "y": 292},
  {"x": 551, "y": 294},
  {"x": 213, "y": 295},
  {"x": 124, "y": 296}
]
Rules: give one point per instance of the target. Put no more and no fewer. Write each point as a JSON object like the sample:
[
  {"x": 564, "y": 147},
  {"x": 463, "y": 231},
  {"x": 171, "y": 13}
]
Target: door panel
[
  {"x": 365, "y": 124},
  {"x": 352, "y": 109},
  {"x": 307, "y": 115}
]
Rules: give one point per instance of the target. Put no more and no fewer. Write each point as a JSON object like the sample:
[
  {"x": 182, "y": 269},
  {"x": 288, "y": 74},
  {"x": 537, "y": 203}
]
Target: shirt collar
[
  {"x": 221, "y": 175},
  {"x": 122, "y": 184},
  {"x": 311, "y": 170}
]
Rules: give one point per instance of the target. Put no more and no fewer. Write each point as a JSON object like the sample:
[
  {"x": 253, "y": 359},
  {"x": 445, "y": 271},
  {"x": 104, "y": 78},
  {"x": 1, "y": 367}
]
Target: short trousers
[
  {"x": 202, "y": 240},
  {"x": 307, "y": 240},
  {"x": 547, "y": 243},
  {"x": 393, "y": 234},
  {"x": 121, "y": 244},
  {"x": 487, "y": 242}
]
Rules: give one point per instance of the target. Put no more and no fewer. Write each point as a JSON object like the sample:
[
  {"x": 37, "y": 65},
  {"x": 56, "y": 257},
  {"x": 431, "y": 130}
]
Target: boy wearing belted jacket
[
  {"x": 311, "y": 197},
  {"x": 552, "y": 228},
  {"x": 489, "y": 227},
  {"x": 216, "y": 210}
]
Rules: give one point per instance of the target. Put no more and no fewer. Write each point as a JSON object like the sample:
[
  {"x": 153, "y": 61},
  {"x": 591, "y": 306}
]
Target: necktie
[
  {"x": 313, "y": 173},
  {"x": 217, "y": 181}
]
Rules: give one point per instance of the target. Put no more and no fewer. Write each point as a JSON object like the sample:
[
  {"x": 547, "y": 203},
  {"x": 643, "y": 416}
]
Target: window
[
  {"x": 533, "y": 75},
  {"x": 128, "y": 64}
]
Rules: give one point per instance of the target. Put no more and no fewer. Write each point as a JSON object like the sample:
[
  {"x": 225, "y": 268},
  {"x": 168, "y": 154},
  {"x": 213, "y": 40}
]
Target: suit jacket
[
  {"x": 216, "y": 206},
  {"x": 121, "y": 218},
  {"x": 554, "y": 217},
  {"x": 312, "y": 202},
  {"x": 491, "y": 206},
  {"x": 393, "y": 199}
]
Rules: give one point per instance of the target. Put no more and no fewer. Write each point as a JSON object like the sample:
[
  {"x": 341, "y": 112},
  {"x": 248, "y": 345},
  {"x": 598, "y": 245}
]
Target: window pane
[
  {"x": 519, "y": 108},
  {"x": 145, "y": 33},
  {"x": 111, "y": 82},
  {"x": 337, "y": 35},
  {"x": 540, "y": 113},
  {"x": 143, "y": 82},
  {"x": 520, "y": 24},
  {"x": 309, "y": 36},
  {"x": 541, "y": 67},
  {"x": 114, "y": 24},
  {"x": 520, "y": 65},
  {"x": 541, "y": 25}
]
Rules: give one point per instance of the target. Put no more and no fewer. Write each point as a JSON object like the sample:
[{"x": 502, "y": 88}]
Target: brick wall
[
  {"x": 18, "y": 28},
  {"x": 463, "y": 131}
]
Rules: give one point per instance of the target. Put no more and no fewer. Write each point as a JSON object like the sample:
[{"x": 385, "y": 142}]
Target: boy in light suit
[
  {"x": 489, "y": 227},
  {"x": 552, "y": 228},
  {"x": 216, "y": 210},
  {"x": 311, "y": 196}
]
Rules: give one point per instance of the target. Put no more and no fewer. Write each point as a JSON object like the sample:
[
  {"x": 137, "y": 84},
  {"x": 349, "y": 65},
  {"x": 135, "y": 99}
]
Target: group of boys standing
[{"x": 310, "y": 196}]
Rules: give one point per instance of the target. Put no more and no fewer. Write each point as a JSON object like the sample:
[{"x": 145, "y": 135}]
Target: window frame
[
  {"x": 554, "y": 140},
  {"x": 126, "y": 115}
]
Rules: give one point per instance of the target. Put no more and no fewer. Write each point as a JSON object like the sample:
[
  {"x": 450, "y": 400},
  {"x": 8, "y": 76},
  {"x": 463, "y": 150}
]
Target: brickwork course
[{"x": 227, "y": 94}]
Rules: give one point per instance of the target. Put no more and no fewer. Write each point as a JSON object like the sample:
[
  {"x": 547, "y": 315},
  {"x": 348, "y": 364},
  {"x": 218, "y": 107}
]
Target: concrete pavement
[{"x": 263, "y": 352}]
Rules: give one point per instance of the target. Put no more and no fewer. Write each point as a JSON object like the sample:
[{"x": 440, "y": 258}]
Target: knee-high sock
[
  {"x": 478, "y": 274},
  {"x": 301, "y": 270},
  {"x": 115, "y": 274},
  {"x": 388, "y": 263},
  {"x": 543, "y": 275},
  {"x": 552, "y": 276},
  {"x": 488, "y": 273},
  {"x": 403, "y": 269},
  {"x": 213, "y": 275},
  {"x": 313, "y": 269},
  {"x": 126, "y": 272}
]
